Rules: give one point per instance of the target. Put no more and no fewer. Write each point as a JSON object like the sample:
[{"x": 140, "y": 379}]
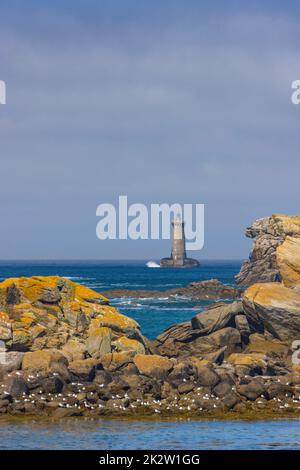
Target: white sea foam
[
  {"x": 131, "y": 303},
  {"x": 152, "y": 264},
  {"x": 79, "y": 278}
]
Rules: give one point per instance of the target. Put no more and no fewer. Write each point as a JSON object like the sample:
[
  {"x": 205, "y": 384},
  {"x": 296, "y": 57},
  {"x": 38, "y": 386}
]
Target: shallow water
[{"x": 123, "y": 434}]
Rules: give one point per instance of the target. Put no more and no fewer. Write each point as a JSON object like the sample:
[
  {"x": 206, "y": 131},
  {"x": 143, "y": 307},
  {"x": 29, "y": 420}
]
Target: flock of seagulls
[{"x": 84, "y": 399}]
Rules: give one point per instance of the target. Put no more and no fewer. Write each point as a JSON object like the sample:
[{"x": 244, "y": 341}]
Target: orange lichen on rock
[
  {"x": 117, "y": 321},
  {"x": 288, "y": 261},
  {"x": 253, "y": 359},
  {"x": 43, "y": 359},
  {"x": 127, "y": 344},
  {"x": 153, "y": 365},
  {"x": 274, "y": 308},
  {"x": 89, "y": 295},
  {"x": 46, "y": 312},
  {"x": 289, "y": 224},
  {"x": 273, "y": 295}
]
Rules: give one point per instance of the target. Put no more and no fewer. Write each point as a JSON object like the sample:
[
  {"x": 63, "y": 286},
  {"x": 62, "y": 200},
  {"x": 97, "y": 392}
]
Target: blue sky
[{"x": 163, "y": 101}]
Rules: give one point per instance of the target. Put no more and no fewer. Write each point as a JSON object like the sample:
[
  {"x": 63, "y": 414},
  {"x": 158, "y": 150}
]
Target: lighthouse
[
  {"x": 178, "y": 258},
  {"x": 178, "y": 241}
]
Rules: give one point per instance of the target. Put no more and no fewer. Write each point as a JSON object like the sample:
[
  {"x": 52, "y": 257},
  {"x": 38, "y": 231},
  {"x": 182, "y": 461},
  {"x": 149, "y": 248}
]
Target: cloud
[{"x": 185, "y": 108}]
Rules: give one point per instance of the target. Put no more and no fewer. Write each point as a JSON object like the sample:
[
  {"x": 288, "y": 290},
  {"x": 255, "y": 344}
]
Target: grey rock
[
  {"x": 66, "y": 413},
  {"x": 17, "y": 386},
  {"x": 83, "y": 369},
  {"x": 216, "y": 318},
  {"x": 277, "y": 389},
  {"x": 222, "y": 389},
  {"x": 13, "y": 295},
  {"x": 208, "y": 331},
  {"x": 230, "y": 400},
  {"x": 186, "y": 387},
  {"x": 99, "y": 342},
  {"x": 52, "y": 385},
  {"x": 242, "y": 325},
  {"x": 4, "y": 403},
  {"x": 206, "y": 377},
  {"x": 219, "y": 344},
  {"x": 180, "y": 372},
  {"x": 242, "y": 371},
  {"x": 225, "y": 337},
  {"x": 252, "y": 390},
  {"x": 10, "y": 361},
  {"x": 50, "y": 296},
  {"x": 216, "y": 357},
  {"x": 102, "y": 377}
]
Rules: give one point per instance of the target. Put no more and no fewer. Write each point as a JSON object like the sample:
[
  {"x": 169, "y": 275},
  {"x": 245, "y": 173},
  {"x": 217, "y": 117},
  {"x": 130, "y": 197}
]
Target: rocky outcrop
[
  {"x": 212, "y": 334},
  {"x": 268, "y": 311},
  {"x": 269, "y": 234},
  {"x": 288, "y": 261},
  {"x": 216, "y": 318},
  {"x": 275, "y": 308},
  {"x": 254, "y": 335},
  {"x": 46, "y": 313},
  {"x": 211, "y": 289}
]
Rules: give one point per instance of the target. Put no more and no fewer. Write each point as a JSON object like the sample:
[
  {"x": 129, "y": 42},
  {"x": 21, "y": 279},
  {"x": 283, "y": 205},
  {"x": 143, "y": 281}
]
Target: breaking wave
[{"x": 152, "y": 264}]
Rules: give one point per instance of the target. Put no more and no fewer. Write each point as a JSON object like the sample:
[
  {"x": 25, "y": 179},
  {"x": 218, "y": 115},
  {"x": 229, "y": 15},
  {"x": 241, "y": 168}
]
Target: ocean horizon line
[{"x": 110, "y": 260}]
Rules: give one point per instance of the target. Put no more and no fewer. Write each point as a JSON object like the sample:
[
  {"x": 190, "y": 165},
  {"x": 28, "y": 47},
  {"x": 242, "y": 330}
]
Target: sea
[{"x": 154, "y": 316}]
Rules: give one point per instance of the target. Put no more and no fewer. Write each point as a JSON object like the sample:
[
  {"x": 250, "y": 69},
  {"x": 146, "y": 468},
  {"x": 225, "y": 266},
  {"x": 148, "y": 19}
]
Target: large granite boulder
[
  {"x": 47, "y": 359},
  {"x": 275, "y": 309},
  {"x": 261, "y": 344},
  {"x": 218, "y": 330},
  {"x": 251, "y": 360},
  {"x": 252, "y": 390},
  {"x": 99, "y": 341},
  {"x": 216, "y": 317},
  {"x": 83, "y": 369},
  {"x": 288, "y": 261},
  {"x": 153, "y": 365},
  {"x": 269, "y": 233},
  {"x": 75, "y": 349}
]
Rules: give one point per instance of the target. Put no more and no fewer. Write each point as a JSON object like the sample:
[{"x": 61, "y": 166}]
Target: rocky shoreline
[
  {"x": 136, "y": 386},
  {"x": 66, "y": 352},
  {"x": 158, "y": 387}
]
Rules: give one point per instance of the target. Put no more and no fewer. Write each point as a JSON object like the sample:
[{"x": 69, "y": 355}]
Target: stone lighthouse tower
[
  {"x": 178, "y": 241},
  {"x": 178, "y": 257}
]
